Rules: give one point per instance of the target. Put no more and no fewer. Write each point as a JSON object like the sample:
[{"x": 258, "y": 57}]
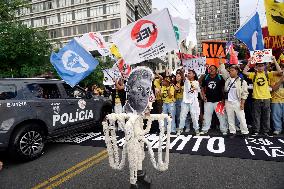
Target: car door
[
  {"x": 79, "y": 106},
  {"x": 46, "y": 100}
]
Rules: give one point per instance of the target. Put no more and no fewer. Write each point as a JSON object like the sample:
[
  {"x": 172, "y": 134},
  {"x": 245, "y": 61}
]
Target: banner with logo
[
  {"x": 196, "y": 64},
  {"x": 181, "y": 28},
  {"x": 93, "y": 41},
  {"x": 110, "y": 75},
  {"x": 261, "y": 56},
  {"x": 275, "y": 16},
  {"x": 73, "y": 63},
  {"x": 124, "y": 69},
  {"x": 213, "y": 50},
  {"x": 149, "y": 37},
  {"x": 276, "y": 43}
]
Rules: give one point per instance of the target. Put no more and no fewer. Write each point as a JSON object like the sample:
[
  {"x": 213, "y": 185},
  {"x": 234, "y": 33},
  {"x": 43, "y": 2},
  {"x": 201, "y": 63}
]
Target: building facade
[
  {"x": 66, "y": 19},
  {"x": 216, "y": 20}
]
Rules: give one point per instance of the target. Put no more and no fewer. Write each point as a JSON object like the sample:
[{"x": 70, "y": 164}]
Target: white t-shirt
[
  {"x": 191, "y": 90},
  {"x": 232, "y": 95}
]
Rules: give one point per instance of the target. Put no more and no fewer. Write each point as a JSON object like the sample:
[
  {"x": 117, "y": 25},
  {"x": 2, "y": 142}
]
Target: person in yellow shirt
[
  {"x": 261, "y": 96},
  {"x": 277, "y": 101},
  {"x": 179, "y": 87},
  {"x": 168, "y": 97},
  {"x": 157, "y": 90}
]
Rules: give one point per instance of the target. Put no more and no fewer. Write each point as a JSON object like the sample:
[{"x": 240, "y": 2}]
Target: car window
[
  {"x": 47, "y": 91},
  {"x": 7, "y": 92},
  {"x": 74, "y": 92}
]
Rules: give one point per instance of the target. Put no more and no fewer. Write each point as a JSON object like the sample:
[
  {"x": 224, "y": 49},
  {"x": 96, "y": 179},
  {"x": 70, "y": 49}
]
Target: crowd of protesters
[{"x": 252, "y": 97}]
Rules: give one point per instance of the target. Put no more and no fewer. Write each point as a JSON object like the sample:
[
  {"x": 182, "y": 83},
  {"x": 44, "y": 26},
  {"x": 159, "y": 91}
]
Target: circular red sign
[{"x": 136, "y": 30}]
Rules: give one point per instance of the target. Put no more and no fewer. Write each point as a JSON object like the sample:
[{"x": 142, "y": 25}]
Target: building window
[
  {"x": 53, "y": 19},
  {"x": 27, "y": 23},
  {"x": 65, "y": 17},
  {"x": 96, "y": 11},
  {"x": 38, "y": 22},
  {"x": 81, "y": 14},
  {"x": 64, "y": 3},
  {"x": 48, "y": 5},
  {"x": 67, "y": 31},
  {"x": 115, "y": 24},
  {"x": 79, "y": 1},
  {"x": 82, "y": 29},
  {"x": 37, "y": 7},
  {"x": 112, "y": 8}
]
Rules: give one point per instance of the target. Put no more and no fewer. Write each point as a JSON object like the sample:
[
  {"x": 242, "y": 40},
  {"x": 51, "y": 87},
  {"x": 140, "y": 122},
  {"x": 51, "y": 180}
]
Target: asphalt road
[{"x": 74, "y": 166}]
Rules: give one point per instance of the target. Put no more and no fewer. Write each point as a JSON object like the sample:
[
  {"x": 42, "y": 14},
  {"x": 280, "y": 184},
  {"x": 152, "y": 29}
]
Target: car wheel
[{"x": 27, "y": 143}]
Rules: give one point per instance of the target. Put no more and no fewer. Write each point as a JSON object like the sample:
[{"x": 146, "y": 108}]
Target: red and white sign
[
  {"x": 150, "y": 37},
  {"x": 261, "y": 56},
  {"x": 124, "y": 69},
  {"x": 94, "y": 41}
]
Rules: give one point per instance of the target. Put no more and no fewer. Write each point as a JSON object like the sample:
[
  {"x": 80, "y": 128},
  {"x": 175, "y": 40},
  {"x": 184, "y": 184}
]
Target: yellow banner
[
  {"x": 275, "y": 17},
  {"x": 114, "y": 50}
]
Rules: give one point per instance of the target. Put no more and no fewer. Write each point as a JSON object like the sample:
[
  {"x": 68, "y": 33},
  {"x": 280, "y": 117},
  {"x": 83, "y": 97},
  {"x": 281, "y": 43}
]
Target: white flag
[
  {"x": 149, "y": 37},
  {"x": 94, "y": 41},
  {"x": 196, "y": 64},
  {"x": 181, "y": 28}
]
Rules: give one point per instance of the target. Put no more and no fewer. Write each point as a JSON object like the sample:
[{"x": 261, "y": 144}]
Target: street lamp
[{"x": 136, "y": 10}]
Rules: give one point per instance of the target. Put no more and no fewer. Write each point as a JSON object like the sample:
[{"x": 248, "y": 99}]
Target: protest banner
[
  {"x": 275, "y": 16},
  {"x": 196, "y": 64},
  {"x": 213, "y": 50},
  {"x": 150, "y": 37},
  {"x": 73, "y": 63},
  {"x": 110, "y": 75},
  {"x": 93, "y": 41},
  {"x": 261, "y": 56},
  {"x": 276, "y": 43}
]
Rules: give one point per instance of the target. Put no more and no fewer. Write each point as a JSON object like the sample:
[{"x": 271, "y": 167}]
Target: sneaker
[
  {"x": 179, "y": 132},
  {"x": 187, "y": 130},
  {"x": 276, "y": 132},
  {"x": 203, "y": 133},
  {"x": 197, "y": 133}
]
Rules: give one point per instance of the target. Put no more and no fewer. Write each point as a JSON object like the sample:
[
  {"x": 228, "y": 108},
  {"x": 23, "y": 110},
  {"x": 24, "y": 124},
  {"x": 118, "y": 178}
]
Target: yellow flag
[
  {"x": 275, "y": 16},
  {"x": 281, "y": 59},
  {"x": 115, "y": 52}
]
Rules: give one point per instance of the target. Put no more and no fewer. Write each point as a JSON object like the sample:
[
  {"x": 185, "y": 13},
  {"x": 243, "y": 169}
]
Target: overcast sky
[{"x": 186, "y": 9}]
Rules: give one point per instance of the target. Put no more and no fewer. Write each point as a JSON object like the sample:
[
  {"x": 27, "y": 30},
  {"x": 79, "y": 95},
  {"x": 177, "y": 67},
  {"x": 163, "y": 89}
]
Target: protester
[
  {"x": 190, "y": 102},
  {"x": 261, "y": 96},
  {"x": 179, "y": 87},
  {"x": 277, "y": 101},
  {"x": 212, "y": 94},
  {"x": 236, "y": 92},
  {"x": 168, "y": 92},
  {"x": 158, "y": 104},
  {"x": 1, "y": 165},
  {"x": 118, "y": 96}
]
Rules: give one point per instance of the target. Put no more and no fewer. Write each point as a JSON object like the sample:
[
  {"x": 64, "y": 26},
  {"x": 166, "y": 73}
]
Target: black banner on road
[{"x": 258, "y": 148}]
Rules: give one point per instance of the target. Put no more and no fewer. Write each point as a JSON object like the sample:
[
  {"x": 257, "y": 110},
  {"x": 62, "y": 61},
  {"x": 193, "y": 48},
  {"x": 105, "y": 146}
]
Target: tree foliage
[
  {"x": 24, "y": 51},
  {"x": 97, "y": 76}
]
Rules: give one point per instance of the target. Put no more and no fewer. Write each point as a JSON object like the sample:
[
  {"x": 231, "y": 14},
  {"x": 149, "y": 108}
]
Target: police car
[{"x": 33, "y": 110}]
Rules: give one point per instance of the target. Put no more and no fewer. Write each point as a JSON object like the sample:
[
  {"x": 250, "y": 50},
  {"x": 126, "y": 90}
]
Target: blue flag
[
  {"x": 251, "y": 34},
  {"x": 73, "y": 63}
]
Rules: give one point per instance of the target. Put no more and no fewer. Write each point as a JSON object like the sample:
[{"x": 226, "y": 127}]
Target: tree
[
  {"x": 97, "y": 76},
  {"x": 24, "y": 51}
]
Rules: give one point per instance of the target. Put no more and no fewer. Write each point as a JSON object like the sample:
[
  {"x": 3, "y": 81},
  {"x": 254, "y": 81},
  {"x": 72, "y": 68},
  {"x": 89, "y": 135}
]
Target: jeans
[
  {"x": 185, "y": 108},
  {"x": 209, "y": 107},
  {"x": 261, "y": 114},
  {"x": 178, "y": 109},
  {"x": 233, "y": 108},
  {"x": 170, "y": 109},
  {"x": 277, "y": 115}
]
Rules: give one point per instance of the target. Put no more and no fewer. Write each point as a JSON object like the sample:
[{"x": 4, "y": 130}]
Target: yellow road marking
[
  {"x": 69, "y": 176},
  {"x": 104, "y": 152}
]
